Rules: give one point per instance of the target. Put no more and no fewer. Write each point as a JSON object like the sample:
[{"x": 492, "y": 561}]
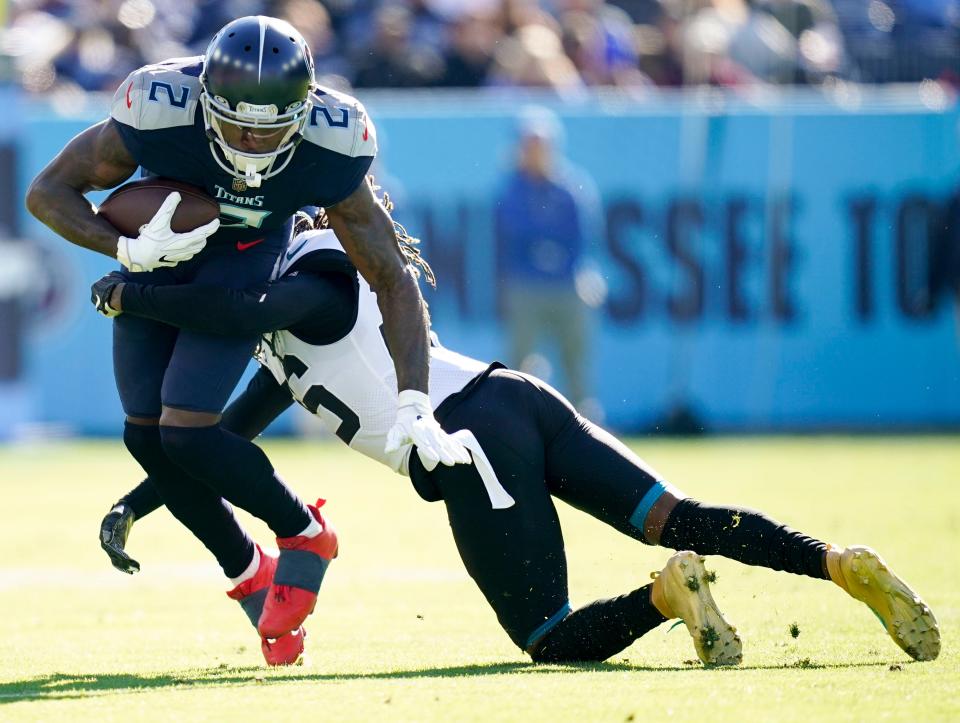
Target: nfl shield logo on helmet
[{"x": 239, "y": 185}]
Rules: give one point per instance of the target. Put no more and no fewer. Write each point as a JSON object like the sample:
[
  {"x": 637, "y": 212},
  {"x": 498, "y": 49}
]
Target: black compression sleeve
[
  {"x": 321, "y": 299},
  {"x": 744, "y": 535},
  {"x": 247, "y": 416},
  {"x": 262, "y": 402}
]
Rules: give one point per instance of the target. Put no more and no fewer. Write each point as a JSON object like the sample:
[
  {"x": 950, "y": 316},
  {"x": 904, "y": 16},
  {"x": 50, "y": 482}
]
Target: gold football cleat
[
  {"x": 682, "y": 589},
  {"x": 865, "y": 576}
]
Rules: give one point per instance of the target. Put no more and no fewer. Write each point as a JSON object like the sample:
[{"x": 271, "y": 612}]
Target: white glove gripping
[
  {"x": 157, "y": 245},
  {"x": 416, "y": 425}
]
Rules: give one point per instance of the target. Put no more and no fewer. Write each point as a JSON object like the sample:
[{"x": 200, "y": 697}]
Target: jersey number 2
[{"x": 319, "y": 396}]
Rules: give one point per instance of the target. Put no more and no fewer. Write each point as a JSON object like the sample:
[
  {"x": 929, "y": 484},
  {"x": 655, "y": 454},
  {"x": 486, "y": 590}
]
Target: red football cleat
[
  {"x": 286, "y": 649},
  {"x": 300, "y": 570},
  {"x": 246, "y": 592}
]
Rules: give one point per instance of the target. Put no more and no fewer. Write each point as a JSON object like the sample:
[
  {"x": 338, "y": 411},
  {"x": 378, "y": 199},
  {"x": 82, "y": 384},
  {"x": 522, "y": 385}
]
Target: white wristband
[{"x": 415, "y": 399}]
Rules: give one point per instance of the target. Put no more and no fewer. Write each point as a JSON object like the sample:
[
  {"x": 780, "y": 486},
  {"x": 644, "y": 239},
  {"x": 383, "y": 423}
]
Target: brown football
[{"x": 134, "y": 204}]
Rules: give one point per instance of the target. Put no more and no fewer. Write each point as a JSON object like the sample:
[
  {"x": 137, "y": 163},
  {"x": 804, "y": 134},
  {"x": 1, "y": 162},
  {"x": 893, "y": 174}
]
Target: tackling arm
[
  {"x": 95, "y": 159},
  {"x": 367, "y": 234},
  {"x": 325, "y": 302}
]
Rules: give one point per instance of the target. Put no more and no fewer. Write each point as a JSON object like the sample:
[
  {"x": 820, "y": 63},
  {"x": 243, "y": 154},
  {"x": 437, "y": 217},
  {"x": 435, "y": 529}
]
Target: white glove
[
  {"x": 416, "y": 425},
  {"x": 157, "y": 245}
]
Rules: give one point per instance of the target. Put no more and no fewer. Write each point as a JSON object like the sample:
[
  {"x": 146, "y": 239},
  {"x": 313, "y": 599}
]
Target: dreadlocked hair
[{"x": 409, "y": 245}]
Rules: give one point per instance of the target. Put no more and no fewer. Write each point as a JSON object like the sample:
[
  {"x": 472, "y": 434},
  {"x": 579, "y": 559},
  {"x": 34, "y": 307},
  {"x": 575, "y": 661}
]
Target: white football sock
[
  {"x": 311, "y": 530},
  {"x": 251, "y": 568}
]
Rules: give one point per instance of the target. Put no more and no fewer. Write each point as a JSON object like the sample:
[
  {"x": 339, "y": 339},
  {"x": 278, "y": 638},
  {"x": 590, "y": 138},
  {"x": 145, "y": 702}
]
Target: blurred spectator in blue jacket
[
  {"x": 393, "y": 59},
  {"x": 599, "y": 39},
  {"x": 545, "y": 223}
]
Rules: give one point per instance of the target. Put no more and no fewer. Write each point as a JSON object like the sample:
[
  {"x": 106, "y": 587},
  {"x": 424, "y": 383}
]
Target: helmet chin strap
[
  {"x": 250, "y": 168},
  {"x": 252, "y": 177}
]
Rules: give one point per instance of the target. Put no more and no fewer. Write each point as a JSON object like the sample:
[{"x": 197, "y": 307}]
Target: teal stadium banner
[{"x": 766, "y": 257}]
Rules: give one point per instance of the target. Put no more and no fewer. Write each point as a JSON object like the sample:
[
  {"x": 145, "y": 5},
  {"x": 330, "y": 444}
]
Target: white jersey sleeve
[
  {"x": 351, "y": 384},
  {"x": 159, "y": 96},
  {"x": 339, "y": 122}
]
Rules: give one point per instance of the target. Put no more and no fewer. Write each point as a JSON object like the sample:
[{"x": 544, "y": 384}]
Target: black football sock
[
  {"x": 197, "y": 507},
  {"x": 240, "y": 472},
  {"x": 744, "y": 535},
  {"x": 598, "y": 630},
  {"x": 142, "y": 499}
]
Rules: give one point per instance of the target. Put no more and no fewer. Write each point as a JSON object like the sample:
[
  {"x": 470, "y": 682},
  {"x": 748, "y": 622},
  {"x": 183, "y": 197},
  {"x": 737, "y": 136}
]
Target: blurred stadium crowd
[{"x": 565, "y": 45}]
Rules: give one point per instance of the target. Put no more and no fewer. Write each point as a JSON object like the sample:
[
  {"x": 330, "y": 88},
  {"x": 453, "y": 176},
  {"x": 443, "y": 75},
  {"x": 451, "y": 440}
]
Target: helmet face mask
[{"x": 255, "y": 96}]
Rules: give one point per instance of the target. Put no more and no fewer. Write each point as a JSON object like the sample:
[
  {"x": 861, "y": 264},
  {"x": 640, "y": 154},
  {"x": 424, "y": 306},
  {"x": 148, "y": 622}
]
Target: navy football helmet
[{"x": 255, "y": 85}]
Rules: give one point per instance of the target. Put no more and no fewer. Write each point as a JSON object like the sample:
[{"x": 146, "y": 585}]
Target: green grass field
[{"x": 401, "y": 633}]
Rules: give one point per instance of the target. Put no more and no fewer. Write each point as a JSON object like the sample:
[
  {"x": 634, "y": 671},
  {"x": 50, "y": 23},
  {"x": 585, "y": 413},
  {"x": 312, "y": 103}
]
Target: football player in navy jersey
[
  {"x": 322, "y": 347},
  {"x": 247, "y": 123}
]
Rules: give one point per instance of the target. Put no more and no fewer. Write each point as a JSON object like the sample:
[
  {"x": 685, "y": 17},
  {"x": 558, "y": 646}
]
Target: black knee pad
[
  {"x": 237, "y": 469},
  {"x": 144, "y": 444},
  {"x": 190, "y": 448}
]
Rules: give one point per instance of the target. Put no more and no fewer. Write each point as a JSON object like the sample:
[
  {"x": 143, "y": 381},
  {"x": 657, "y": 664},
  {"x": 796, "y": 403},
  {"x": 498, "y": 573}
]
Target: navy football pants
[{"x": 155, "y": 364}]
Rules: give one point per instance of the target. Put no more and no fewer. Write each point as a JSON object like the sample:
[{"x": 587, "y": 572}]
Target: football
[{"x": 132, "y": 205}]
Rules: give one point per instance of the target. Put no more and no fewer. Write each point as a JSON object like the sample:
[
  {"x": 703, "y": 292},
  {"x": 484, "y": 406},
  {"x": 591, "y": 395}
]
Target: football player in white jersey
[{"x": 323, "y": 347}]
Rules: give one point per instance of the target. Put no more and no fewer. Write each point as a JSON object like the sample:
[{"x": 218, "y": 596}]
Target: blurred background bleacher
[
  {"x": 767, "y": 190},
  {"x": 60, "y": 47}
]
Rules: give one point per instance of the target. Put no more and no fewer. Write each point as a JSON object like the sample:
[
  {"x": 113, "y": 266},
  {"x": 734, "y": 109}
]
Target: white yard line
[{"x": 163, "y": 574}]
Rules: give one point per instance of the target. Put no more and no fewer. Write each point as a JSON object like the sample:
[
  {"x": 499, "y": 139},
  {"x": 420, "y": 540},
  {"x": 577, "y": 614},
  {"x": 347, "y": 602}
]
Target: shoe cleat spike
[
  {"x": 857, "y": 555},
  {"x": 865, "y": 580},
  {"x": 855, "y": 567}
]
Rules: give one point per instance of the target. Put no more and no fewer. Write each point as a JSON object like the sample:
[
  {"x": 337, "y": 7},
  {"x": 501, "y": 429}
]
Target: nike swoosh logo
[
  {"x": 130, "y": 102},
  {"x": 250, "y": 244},
  {"x": 291, "y": 254}
]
